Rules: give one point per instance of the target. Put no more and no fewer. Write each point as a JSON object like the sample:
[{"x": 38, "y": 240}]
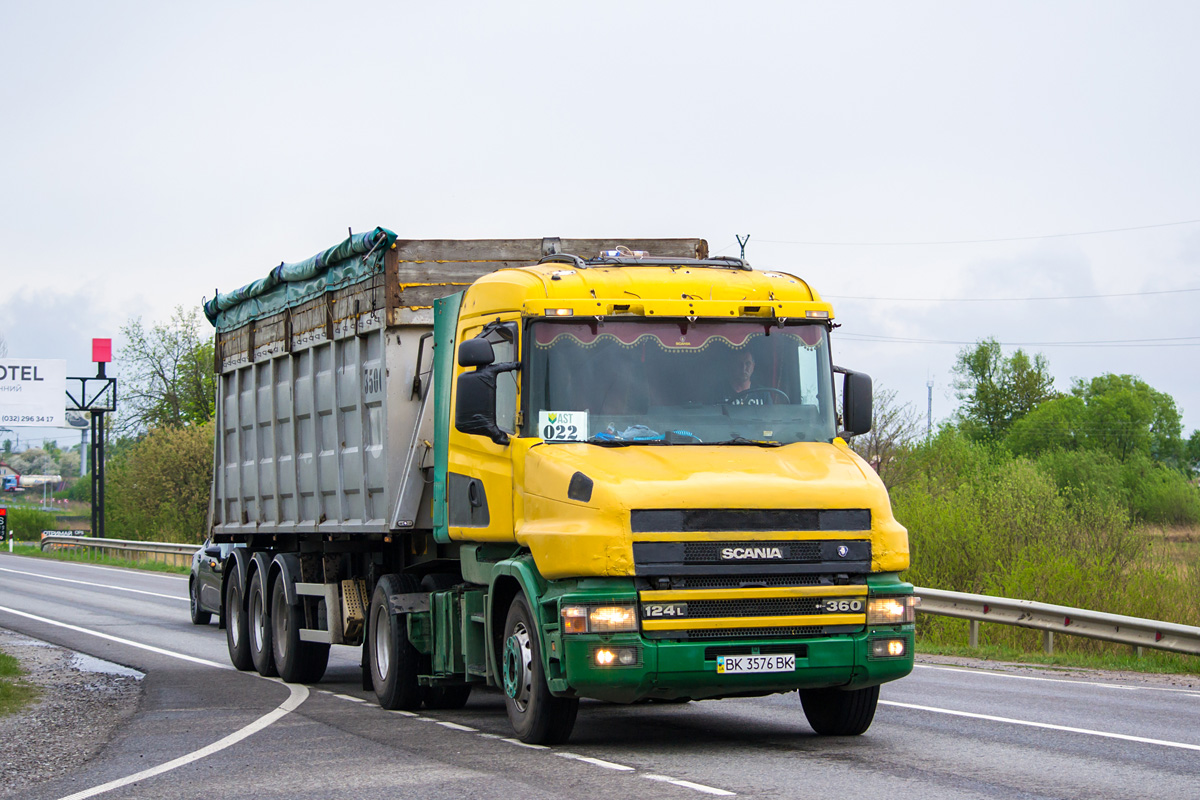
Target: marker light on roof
[
  {"x": 560, "y": 312},
  {"x": 817, "y": 314}
]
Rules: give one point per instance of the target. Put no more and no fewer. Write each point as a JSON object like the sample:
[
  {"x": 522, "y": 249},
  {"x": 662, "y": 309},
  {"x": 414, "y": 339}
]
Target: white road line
[
  {"x": 119, "y": 640},
  {"x": 89, "y": 583},
  {"x": 994, "y": 674},
  {"x": 456, "y": 727},
  {"x": 519, "y": 743},
  {"x": 299, "y": 694},
  {"x": 348, "y": 697},
  {"x": 599, "y": 762},
  {"x": 124, "y": 570},
  {"x": 1045, "y": 725},
  {"x": 699, "y": 787}
]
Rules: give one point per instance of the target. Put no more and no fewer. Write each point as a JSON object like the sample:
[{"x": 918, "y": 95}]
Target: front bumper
[{"x": 673, "y": 669}]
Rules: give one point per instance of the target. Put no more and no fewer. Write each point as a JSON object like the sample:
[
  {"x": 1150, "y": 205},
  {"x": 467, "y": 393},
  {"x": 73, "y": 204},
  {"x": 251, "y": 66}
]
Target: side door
[{"x": 479, "y": 482}]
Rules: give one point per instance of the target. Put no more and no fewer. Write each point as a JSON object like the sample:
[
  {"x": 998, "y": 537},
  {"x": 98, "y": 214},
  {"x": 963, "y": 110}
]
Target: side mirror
[
  {"x": 475, "y": 412},
  {"x": 856, "y": 403},
  {"x": 475, "y": 353}
]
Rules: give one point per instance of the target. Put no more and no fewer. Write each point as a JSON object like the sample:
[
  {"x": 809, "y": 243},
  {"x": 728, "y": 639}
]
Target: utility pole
[{"x": 929, "y": 410}]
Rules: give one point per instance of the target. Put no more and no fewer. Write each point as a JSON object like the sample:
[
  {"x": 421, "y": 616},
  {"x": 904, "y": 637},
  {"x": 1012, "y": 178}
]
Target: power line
[
  {"x": 987, "y": 241},
  {"x": 1175, "y": 341},
  {"x": 1006, "y": 299}
]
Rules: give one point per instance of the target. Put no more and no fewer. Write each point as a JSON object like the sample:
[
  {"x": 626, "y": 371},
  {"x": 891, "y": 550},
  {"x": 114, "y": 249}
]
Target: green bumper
[{"x": 672, "y": 669}]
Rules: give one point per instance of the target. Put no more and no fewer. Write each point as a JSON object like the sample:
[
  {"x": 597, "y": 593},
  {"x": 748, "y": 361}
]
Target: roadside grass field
[{"x": 15, "y": 694}]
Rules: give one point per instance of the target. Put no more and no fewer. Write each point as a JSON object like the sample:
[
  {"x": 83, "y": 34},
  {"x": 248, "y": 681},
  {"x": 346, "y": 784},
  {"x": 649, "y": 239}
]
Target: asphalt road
[{"x": 944, "y": 732}]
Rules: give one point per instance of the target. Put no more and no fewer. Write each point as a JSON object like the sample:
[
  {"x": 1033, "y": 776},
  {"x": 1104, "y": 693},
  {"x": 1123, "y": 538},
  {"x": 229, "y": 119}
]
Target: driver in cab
[{"x": 738, "y": 389}]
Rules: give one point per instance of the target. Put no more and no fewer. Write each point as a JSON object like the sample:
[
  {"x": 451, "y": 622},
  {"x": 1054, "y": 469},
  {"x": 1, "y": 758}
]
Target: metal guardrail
[
  {"x": 1051, "y": 619},
  {"x": 166, "y": 552}
]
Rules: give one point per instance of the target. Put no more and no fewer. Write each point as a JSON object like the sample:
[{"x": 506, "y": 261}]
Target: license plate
[{"x": 737, "y": 665}]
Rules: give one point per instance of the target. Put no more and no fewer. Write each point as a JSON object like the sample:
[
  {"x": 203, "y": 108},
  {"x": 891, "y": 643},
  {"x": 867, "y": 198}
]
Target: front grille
[
  {"x": 744, "y": 581},
  {"x": 710, "y": 552},
  {"x": 798, "y": 650},
  {"x": 686, "y": 520},
  {"x": 757, "y": 633},
  {"x": 751, "y": 607}
]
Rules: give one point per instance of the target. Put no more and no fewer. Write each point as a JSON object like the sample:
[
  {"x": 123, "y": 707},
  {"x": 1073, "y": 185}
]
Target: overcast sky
[{"x": 151, "y": 152}]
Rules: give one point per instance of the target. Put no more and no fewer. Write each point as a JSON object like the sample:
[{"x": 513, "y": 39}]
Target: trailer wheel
[
  {"x": 258, "y": 621},
  {"x": 537, "y": 716},
  {"x": 297, "y": 661},
  {"x": 836, "y": 712},
  {"x": 394, "y": 661},
  {"x": 199, "y": 616},
  {"x": 446, "y": 697},
  {"x": 237, "y": 633}
]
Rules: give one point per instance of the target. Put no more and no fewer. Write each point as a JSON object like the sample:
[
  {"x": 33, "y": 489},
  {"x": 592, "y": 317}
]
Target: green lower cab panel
[{"x": 625, "y": 668}]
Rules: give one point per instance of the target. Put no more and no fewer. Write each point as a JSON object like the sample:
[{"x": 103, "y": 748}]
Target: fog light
[
  {"x": 606, "y": 656},
  {"x": 889, "y": 648}
]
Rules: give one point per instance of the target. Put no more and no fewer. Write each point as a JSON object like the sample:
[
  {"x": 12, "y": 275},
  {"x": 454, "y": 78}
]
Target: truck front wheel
[
  {"x": 394, "y": 661},
  {"x": 537, "y": 716},
  {"x": 237, "y": 632},
  {"x": 835, "y": 712}
]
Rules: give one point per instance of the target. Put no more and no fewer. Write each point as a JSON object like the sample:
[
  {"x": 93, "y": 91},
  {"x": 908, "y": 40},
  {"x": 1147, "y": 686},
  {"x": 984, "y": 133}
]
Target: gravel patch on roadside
[{"x": 83, "y": 700}]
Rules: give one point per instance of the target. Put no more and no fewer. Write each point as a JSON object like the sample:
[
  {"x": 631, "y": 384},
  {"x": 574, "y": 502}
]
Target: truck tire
[
  {"x": 258, "y": 621},
  {"x": 394, "y": 661},
  {"x": 537, "y": 716},
  {"x": 838, "y": 712},
  {"x": 237, "y": 632},
  {"x": 296, "y": 660},
  {"x": 199, "y": 616}
]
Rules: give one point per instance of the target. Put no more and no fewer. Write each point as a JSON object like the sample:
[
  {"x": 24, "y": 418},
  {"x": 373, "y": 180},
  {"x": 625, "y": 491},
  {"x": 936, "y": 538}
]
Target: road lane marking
[
  {"x": 123, "y": 570},
  {"x": 1027, "y": 723},
  {"x": 699, "y": 787},
  {"x": 298, "y": 694},
  {"x": 118, "y": 639},
  {"x": 993, "y": 673},
  {"x": 89, "y": 583},
  {"x": 596, "y": 762},
  {"x": 599, "y": 762}
]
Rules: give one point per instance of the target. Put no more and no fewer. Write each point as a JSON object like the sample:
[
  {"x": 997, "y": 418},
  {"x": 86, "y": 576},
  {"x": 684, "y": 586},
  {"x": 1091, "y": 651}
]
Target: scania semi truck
[{"x": 557, "y": 469}]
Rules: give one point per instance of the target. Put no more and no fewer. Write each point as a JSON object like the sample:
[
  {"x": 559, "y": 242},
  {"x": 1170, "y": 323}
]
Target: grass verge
[
  {"x": 14, "y": 693},
  {"x": 1155, "y": 662},
  {"x": 28, "y": 549}
]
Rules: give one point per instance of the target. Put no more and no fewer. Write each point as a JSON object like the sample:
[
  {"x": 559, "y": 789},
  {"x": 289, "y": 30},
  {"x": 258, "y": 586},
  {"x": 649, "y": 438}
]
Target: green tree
[
  {"x": 995, "y": 391},
  {"x": 167, "y": 374},
  {"x": 158, "y": 487},
  {"x": 1125, "y": 416},
  {"x": 1054, "y": 424},
  {"x": 1192, "y": 451}
]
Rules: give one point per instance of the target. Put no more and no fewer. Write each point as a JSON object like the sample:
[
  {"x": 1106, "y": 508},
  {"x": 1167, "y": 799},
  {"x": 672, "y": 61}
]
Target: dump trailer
[{"x": 565, "y": 469}]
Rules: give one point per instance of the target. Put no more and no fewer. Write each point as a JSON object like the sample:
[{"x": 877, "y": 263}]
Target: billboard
[{"x": 32, "y": 392}]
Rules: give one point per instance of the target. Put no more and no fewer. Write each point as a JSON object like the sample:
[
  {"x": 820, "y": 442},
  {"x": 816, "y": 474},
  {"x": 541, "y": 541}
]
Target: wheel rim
[
  {"x": 279, "y": 623},
  {"x": 257, "y": 621},
  {"x": 518, "y": 666},
  {"x": 192, "y": 599},
  {"x": 382, "y": 631},
  {"x": 235, "y": 616}
]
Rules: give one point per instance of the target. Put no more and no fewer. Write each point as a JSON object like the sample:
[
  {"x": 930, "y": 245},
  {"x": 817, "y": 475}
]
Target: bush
[
  {"x": 27, "y": 524},
  {"x": 158, "y": 488}
]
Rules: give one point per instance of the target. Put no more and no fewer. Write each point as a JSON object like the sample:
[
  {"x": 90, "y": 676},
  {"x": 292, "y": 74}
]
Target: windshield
[{"x": 674, "y": 382}]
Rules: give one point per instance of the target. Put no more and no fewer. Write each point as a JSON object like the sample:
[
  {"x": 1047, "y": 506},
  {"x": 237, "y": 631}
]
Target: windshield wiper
[
  {"x": 744, "y": 440},
  {"x": 610, "y": 442}
]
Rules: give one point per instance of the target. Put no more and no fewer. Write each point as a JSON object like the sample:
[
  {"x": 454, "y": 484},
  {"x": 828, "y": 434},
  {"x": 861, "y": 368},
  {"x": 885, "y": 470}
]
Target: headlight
[
  {"x": 599, "y": 619},
  {"x": 897, "y": 610}
]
